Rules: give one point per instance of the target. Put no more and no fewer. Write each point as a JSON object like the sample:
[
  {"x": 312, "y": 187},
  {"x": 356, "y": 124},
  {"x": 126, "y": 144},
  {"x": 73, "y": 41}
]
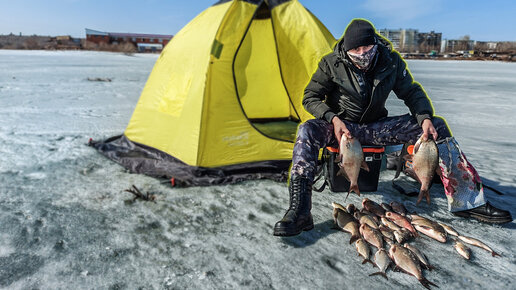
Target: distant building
[
  {"x": 64, "y": 38},
  {"x": 486, "y": 45},
  {"x": 428, "y": 41},
  {"x": 453, "y": 45},
  {"x": 66, "y": 42},
  {"x": 393, "y": 35},
  {"x": 143, "y": 42},
  {"x": 403, "y": 40},
  {"x": 409, "y": 40}
]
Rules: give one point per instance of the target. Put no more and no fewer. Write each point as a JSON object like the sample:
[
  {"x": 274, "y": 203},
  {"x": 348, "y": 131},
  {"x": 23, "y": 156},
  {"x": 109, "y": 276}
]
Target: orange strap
[
  {"x": 367, "y": 150},
  {"x": 374, "y": 150},
  {"x": 331, "y": 149},
  {"x": 410, "y": 149}
]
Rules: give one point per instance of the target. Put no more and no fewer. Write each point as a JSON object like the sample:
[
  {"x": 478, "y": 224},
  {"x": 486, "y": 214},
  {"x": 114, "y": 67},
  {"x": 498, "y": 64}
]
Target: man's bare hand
[
  {"x": 428, "y": 128},
  {"x": 340, "y": 129}
]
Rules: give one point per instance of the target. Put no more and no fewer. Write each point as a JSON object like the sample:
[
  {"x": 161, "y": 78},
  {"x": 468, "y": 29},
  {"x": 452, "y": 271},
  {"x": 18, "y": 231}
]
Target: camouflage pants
[{"x": 315, "y": 134}]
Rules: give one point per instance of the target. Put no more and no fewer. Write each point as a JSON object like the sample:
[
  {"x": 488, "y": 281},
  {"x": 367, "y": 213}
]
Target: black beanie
[{"x": 359, "y": 33}]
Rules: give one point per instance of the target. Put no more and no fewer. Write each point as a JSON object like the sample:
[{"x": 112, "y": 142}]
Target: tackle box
[{"x": 367, "y": 181}]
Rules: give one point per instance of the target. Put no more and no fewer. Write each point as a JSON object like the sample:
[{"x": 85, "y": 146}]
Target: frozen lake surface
[{"x": 66, "y": 222}]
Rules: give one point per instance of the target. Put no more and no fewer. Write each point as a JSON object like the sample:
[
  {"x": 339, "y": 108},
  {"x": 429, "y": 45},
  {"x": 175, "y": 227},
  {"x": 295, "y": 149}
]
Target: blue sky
[{"x": 492, "y": 20}]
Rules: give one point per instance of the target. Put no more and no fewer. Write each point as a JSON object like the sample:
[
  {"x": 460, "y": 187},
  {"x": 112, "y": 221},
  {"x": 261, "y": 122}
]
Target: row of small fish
[
  {"x": 371, "y": 229},
  {"x": 425, "y": 165},
  {"x": 377, "y": 224},
  {"x": 440, "y": 231},
  {"x": 396, "y": 214}
]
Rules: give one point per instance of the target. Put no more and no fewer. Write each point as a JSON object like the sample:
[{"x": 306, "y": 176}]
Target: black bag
[{"x": 367, "y": 180}]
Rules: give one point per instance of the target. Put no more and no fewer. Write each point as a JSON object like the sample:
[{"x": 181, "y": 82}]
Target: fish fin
[
  {"x": 426, "y": 283},
  {"x": 425, "y": 227},
  {"x": 368, "y": 261},
  {"x": 342, "y": 172},
  {"x": 429, "y": 267},
  {"x": 416, "y": 146},
  {"x": 355, "y": 189},
  {"x": 354, "y": 239},
  {"x": 388, "y": 241},
  {"x": 438, "y": 171},
  {"x": 416, "y": 177},
  {"x": 364, "y": 166},
  {"x": 382, "y": 227},
  {"x": 493, "y": 253},
  {"x": 381, "y": 274},
  {"x": 408, "y": 157}
]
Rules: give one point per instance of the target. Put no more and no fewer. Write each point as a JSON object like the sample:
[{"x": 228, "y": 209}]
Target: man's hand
[
  {"x": 428, "y": 128},
  {"x": 340, "y": 128}
]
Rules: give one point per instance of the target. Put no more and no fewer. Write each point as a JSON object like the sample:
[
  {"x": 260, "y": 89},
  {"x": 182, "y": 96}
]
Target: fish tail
[
  {"x": 353, "y": 239},
  {"x": 381, "y": 274},
  {"x": 346, "y": 197},
  {"x": 367, "y": 261},
  {"x": 414, "y": 232},
  {"x": 423, "y": 193},
  {"x": 355, "y": 189},
  {"x": 426, "y": 283}
]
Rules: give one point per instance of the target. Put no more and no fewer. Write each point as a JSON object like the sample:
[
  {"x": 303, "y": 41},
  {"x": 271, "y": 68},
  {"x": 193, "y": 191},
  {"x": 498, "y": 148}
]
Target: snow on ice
[{"x": 66, "y": 221}]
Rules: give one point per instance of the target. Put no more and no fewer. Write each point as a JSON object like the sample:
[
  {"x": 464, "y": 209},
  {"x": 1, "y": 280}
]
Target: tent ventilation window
[{"x": 263, "y": 12}]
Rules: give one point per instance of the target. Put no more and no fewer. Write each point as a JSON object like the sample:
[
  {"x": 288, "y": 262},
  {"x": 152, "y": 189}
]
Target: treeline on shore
[
  {"x": 500, "y": 56},
  {"x": 37, "y": 42}
]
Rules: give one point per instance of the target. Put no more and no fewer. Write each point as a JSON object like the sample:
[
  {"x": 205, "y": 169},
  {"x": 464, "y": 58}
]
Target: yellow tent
[{"x": 227, "y": 88}]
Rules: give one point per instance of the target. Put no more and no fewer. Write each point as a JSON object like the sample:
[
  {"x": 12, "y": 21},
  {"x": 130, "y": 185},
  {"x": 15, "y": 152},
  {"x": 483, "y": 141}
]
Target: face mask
[{"x": 363, "y": 61}]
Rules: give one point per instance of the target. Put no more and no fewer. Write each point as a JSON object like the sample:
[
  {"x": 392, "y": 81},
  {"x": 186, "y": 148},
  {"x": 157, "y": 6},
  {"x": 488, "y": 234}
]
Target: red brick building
[{"x": 143, "y": 42}]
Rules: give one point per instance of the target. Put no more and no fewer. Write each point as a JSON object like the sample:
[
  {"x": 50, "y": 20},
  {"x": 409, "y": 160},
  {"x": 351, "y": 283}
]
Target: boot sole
[
  {"x": 285, "y": 233},
  {"x": 483, "y": 218}
]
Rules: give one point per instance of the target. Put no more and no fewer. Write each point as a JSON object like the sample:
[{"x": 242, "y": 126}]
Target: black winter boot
[
  {"x": 298, "y": 217},
  {"x": 487, "y": 213}
]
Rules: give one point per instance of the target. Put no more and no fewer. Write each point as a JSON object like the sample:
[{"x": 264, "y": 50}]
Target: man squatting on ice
[{"x": 347, "y": 95}]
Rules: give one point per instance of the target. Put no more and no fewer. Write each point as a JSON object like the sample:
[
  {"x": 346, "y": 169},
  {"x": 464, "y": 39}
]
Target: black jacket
[{"x": 339, "y": 88}]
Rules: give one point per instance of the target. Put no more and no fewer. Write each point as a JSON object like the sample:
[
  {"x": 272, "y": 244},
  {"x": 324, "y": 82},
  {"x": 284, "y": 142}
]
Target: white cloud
[{"x": 401, "y": 10}]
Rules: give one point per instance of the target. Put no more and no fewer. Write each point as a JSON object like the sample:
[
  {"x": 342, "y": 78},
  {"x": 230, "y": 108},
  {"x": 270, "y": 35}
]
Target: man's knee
[
  {"x": 441, "y": 126},
  {"x": 312, "y": 129}
]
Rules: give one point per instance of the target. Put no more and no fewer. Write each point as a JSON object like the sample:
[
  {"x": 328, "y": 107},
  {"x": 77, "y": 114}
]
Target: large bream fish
[
  {"x": 425, "y": 162},
  {"x": 345, "y": 222},
  {"x": 351, "y": 159},
  {"x": 408, "y": 263}
]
